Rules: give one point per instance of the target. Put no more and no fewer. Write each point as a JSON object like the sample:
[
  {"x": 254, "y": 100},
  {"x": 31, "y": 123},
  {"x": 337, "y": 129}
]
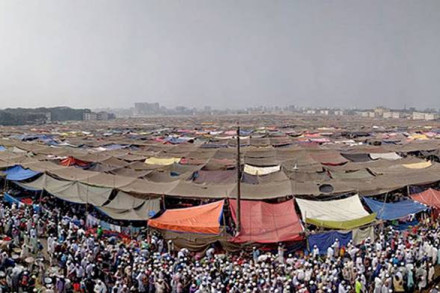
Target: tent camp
[
  {"x": 345, "y": 214},
  {"x": 267, "y": 223},
  {"x": 199, "y": 219},
  {"x": 394, "y": 210}
]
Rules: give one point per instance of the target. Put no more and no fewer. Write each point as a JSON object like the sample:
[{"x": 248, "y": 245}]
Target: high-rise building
[{"x": 141, "y": 109}]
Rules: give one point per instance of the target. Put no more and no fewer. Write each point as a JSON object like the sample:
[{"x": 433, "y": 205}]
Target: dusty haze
[{"x": 221, "y": 53}]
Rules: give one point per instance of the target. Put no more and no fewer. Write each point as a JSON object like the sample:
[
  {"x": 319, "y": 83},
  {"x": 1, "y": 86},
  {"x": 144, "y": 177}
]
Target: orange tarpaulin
[
  {"x": 70, "y": 161},
  {"x": 429, "y": 197},
  {"x": 200, "y": 219},
  {"x": 267, "y": 223}
]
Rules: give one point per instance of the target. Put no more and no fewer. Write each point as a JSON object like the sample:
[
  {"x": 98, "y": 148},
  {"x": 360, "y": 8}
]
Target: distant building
[
  {"x": 141, "y": 109},
  {"x": 431, "y": 116},
  {"x": 379, "y": 111},
  {"x": 104, "y": 116},
  {"x": 391, "y": 115},
  {"x": 425, "y": 116},
  {"x": 90, "y": 116},
  {"x": 339, "y": 112},
  {"x": 323, "y": 112},
  {"x": 48, "y": 117},
  {"x": 387, "y": 115},
  {"x": 395, "y": 115},
  {"x": 418, "y": 116},
  {"x": 371, "y": 114}
]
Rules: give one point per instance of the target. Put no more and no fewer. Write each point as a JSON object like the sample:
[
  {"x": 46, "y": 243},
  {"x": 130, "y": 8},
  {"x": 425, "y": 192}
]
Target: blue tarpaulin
[
  {"x": 394, "y": 210},
  {"x": 10, "y": 199},
  {"x": 2, "y": 148},
  {"x": 18, "y": 173},
  {"x": 176, "y": 140},
  {"x": 325, "y": 240}
]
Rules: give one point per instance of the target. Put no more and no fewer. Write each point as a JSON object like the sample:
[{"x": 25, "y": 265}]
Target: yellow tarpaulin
[
  {"x": 418, "y": 136},
  {"x": 342, "y": 225},
  {"x": 420, "y": 165},
  {"x": 161, "y": 161}
]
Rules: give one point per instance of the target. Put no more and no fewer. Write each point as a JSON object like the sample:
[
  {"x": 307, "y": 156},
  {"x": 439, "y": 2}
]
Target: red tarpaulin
[
  {"x": 200, "y": 219},
  {"x": 267, "y": 223},
  {"x": 70, "y": 161},
  {"x": 429, "y": 197},
  {"x": 27, "y": 201}
]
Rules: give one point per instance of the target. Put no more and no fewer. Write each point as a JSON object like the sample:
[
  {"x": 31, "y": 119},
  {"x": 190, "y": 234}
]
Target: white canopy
[
  {"x": 346, "y": 209},
  {"x": 385, "y": 156}
]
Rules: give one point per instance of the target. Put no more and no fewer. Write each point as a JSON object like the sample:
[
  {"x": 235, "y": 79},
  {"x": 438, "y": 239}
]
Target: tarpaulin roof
[
  {"x": 71, "y": 191},
  {"x": 253, "y": 170},
  {"x": 18, "y": 173},
  {"x": 215, "y": 177},
  {"x": 329, "y": 158},
  {"x": 430, "y": 197},
  {"x": 344, "y": 213},
  {"x": 356, "y": 157},
  {"x": 420, "y": 165},
  {"x": 395, "y": 210},
  {"x": 267, "y": 223},
  {"x": 386, "y": 156},
  {"x": 141, "y": 213},
  {"x": 125, "y": 201},
  {"x": 71, "y": 161},
  {"x": 77, "y": 192},
  {"x": 199, "y": 219},
  {"x": 161, "y": 161},
  {"x": 362, "y": 174}
]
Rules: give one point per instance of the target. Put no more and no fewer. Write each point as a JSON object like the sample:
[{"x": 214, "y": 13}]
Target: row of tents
[
  {"x": 346, "y": 219},
  {"x": 100, "y": 190}
]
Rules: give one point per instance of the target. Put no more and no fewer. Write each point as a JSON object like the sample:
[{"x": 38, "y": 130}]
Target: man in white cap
[
  {"x": 330, "y": 252},
  {"x": 100, "y": 287},
  {"x": 315, "y": 251}
]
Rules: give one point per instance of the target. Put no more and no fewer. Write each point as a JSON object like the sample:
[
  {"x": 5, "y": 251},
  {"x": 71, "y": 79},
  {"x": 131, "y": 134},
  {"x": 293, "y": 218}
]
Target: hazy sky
[{"x": 223, "y": 53}]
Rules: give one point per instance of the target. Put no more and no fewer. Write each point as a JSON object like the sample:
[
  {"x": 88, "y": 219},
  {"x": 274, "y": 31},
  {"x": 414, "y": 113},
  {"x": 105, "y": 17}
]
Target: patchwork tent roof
[{"x": 301, "y": 161}]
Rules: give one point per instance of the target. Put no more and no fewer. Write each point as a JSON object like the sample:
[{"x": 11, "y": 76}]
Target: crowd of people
[{"x": 53, "y": 251}]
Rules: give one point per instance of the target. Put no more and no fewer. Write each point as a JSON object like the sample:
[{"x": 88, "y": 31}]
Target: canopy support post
[{"x": 238, "y": 180}]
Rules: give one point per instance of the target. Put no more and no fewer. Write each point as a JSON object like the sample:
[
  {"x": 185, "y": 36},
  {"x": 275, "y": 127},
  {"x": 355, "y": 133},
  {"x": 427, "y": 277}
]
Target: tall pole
[{"x": 238, "y": 180}]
